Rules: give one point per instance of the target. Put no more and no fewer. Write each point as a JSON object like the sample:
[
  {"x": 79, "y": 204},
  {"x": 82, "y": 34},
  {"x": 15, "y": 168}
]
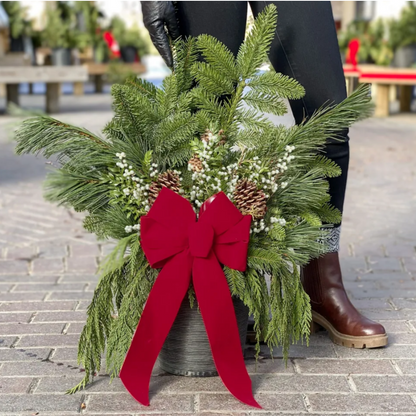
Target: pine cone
[
  {"x": 167, "y": 179},
  {"x": 222, "y": 137},
  {"x": 196, "y": 164},
  {"x": 250, "y": 200},
  {"x": 205, "y": 136}
]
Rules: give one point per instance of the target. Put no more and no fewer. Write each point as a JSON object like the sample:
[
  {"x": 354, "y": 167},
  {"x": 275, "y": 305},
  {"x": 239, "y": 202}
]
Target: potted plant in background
[
  {"x": 130, "y": 40},
  {"x": 60, "y": 33},
  {"x": 119, "y": 31},
  {"x": 403, "y": 36},
  {"x": 138, "y": 40},
  {"x": 90, "y": 23},
  {"x": 378, "y": 46},
  {"x": 53, "y": 37},
  {"x": 374, "y": 46},
  {"x": 21, "y": 30}
]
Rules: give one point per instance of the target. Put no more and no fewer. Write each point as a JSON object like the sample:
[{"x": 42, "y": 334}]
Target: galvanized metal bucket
[{"x": 186, "y": 351}]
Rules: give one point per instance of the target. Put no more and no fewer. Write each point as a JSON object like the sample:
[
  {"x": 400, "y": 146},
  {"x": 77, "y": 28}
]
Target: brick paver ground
[{"x": 47, "y": 265}]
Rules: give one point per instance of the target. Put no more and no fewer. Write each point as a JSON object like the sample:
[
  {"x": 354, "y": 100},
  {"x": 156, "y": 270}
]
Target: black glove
[{"x": 157, "y": 15}]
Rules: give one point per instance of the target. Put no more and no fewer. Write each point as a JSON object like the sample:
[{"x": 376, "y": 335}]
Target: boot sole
[{"x": 349, "y": 341}]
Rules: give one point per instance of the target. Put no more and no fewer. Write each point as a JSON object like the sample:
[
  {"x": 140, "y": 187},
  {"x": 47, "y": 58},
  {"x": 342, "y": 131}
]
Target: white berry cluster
[
  {"x": 130, "y": 228},
  {"x": 203, "y": 181},
  {"x": 258, "y": 226},
  {"x": 270, "y": 179},
  {"x": 132, "y": 185},
  {"x": 128, "y": 170},
  {"x": 141, "y": 194},
  {"x": 280, "y": 221},
  {"x": 265, "y": 178},
  {"x": 239, "y": 148},
  {"x": 287, "y": 158},
  {"x": 153, "y": 170},
  {"x": 230, "y": 177}
]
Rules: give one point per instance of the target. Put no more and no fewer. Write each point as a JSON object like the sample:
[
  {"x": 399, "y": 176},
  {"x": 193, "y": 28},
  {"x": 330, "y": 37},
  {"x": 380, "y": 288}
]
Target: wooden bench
[
  {"x": 384, "y": 78},
  {"x": 53, "y": 76},
  {"x": 352, "y": 76},
  {"x": 13, "y": 59},
  {"x": 97, "y": 71}
]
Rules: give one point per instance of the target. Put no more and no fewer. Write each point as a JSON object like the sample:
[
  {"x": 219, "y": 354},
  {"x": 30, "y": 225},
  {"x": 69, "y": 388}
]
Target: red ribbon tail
[
  {"x": 157, "y": 318},
  {"x": 216, "y": 305}
]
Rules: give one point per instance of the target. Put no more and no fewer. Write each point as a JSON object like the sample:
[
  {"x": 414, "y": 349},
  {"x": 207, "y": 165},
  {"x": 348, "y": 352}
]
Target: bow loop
[
  {"x": 161, "y": 242},
  {"x": 231, "y": 247},
  {"x": 220, "y": 212}
]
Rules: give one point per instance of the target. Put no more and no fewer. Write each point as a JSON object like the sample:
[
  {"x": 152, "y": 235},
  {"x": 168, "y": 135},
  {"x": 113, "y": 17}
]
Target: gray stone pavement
[{"x": 47, "y": 266}]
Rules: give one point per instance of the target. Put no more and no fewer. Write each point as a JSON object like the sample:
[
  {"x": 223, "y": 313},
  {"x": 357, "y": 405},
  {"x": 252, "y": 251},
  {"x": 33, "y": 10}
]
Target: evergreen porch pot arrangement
[{"x": 206, "y": 197}]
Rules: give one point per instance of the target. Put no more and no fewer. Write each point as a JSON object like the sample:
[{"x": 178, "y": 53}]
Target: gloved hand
[{"x": 157, "y": 15}]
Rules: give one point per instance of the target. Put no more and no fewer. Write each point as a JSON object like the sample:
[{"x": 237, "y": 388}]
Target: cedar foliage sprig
[{"x": 158, "y": 130}]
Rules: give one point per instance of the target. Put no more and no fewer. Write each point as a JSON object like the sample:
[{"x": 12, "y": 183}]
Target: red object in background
[
  {"x": 352, "y": 52},
  {"x": 189, "y": 250},
  {"x": 112, "y": 44}
]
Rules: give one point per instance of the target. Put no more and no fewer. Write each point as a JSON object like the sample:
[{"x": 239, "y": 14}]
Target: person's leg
[
  {"x": 306, "y": 48},
  {"x": 226, "y": 20}
]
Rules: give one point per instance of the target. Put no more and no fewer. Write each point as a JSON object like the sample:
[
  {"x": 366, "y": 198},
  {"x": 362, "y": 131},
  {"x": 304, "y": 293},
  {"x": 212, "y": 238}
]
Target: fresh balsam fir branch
[{"x": 199, "y": 134}]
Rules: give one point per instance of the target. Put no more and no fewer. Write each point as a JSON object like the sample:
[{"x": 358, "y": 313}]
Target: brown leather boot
[{"x": 332, "y": 310}]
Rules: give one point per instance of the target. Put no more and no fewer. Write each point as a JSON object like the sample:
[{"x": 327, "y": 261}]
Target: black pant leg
[
  {"x": 226, "y": 20},
  {"x": 306, "y": 48}
]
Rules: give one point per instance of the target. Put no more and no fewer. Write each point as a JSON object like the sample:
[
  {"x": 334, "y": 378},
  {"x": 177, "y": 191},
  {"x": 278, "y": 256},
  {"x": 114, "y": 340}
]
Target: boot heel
[{"x": 316, "y": 327}]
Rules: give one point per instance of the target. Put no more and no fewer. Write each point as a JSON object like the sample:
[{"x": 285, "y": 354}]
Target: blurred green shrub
[
  {"x": 133, "y": 36},
  {"x": 60, "y": 29},
  {"x": 20, "y": 25},
  {"x": 118, "y": 72},
  {"x": 374, "y": 44},
  {"x": 403, "y": 30}
]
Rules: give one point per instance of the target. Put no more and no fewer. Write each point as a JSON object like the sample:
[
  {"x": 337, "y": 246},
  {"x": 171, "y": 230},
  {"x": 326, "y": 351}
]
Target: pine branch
[
  {"x": 47, "y": 136},
  {"x": 253, "y": 52},
  {"x": 218, "y": 57},
  {"x": 327, "y": 167},
  {"x": 272, "y": 83},
  {"x": 211, "y": 80},
  {"x": 135, "y": 113},
  {"x": 250, "y": 118},
  {"x": 211, "y": 110},
  {"x": 96, "y": 330},
  {"x": 331, "y": 120},
  {"x": 329, "y": 214},
  {"x": 82, "y": 192},
  {"x": 171, "y": 134},
  {"x": 143, "y": 87},
  {"x": 123, "y": 327},
  {"x": 109, "y": 222},
  {"x": 265, "y": 103},
  {"x": 184, "y": 55}
]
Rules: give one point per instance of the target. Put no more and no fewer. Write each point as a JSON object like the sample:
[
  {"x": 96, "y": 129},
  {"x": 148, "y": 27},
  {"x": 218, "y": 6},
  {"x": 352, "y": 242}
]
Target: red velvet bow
[{"x": 173, "y": 240}]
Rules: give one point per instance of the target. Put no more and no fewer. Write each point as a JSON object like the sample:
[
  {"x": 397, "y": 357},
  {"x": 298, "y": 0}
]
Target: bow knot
[
  {"x": 186, "y": 250},
  {"x": 201, "y": 238}
]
